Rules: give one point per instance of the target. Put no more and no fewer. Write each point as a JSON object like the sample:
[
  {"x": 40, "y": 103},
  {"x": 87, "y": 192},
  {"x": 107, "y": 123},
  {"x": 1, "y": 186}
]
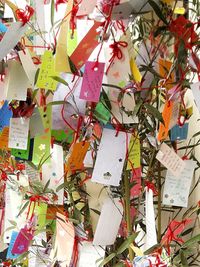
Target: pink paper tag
[
  {"x": 92, "y": 81},
  {"x": 22, "y": 242},
  {"x": 136, "y": 177}
]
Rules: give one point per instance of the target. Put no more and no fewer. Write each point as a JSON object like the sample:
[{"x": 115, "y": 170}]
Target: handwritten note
[
  {"x": 92, "y": 81},
  {"x": 18, "y": 134},
  {"x": 177, "y": 188},
  {"x": 170, "y": 159},
  {"x": 134, "y": 153},
  {"x": 22, "y": 242},
  {"x": 108, "y": 166},
  {"x": 11, "y": 38},
  {"x": 79, "y": 150},
  {"x": 47, "y": 69},
  {"x": 106, "y": 232}
]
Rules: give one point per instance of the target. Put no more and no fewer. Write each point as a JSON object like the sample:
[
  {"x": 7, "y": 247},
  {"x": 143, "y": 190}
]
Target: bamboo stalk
[
  {"x": 159, "y": 204},
  {"x": 128, "y": 210}
]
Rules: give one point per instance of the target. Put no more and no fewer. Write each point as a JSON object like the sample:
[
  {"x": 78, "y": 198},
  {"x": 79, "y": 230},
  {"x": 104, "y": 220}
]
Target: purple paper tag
[
  {"x": 92, "y": 81},
  {"x": 22, "y": 242}
]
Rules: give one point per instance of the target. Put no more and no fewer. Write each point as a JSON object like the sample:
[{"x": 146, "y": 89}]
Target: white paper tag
[
  {"x": 196, "y": 92},
  {"x": 11, "y": 38},
  {"x": 170, "y": 159},
  {"x": 18, "y": 133},
  {"x": 109, "y": 222},
  {"x": 110, "y": 157},
  {"x": 151, "y": 236},
  {"x": 89, "y": 254},
  {"x": 55, "y": 172},
  {"x": 70, "y": 94},
  {"x": 16, "y": 82},
  {"x": 28, "y": 65},
  {"x": 176, "y": 189},
  {"x": 13, "y": 201},
  {"x": 86, "y": 7}
]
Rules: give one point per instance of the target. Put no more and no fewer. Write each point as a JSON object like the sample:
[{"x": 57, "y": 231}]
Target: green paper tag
[
  {"x": 102, "y": 113},
  {"x": 61, "y": 135},
  {"x": 42, "y": 149},
  {"x": 22, "y": 154},
  {"x": 71, "y": 42}
]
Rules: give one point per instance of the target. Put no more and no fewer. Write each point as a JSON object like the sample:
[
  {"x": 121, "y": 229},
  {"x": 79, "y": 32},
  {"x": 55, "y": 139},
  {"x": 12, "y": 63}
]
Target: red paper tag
[
  {"x": 136, "y": 177},
  {"x": 92, "y": 81},
  {"x": 86, "y": 46},
  {"x": 22, "y": 242}
]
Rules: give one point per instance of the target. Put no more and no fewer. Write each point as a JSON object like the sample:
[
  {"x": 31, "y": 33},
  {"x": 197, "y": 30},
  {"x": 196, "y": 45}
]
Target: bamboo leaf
[
  {"x": 107, "y": 259},
  {"x": 183, "y": 259},
  {"x": 191, "y": 241},
  {"x": 60, "y": 80},
  {"x": 23, "y": 208},
  {"x": 151, "y": 109},
  {"x": 158, "y": 11},
  {"x": 126, "y": 243}
]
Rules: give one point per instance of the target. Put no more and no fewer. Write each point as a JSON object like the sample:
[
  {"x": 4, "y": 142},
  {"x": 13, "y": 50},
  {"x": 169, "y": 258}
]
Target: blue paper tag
[
  {"x": 3, "y": 28},
  {"x": 10, "y": 255},
  {"x": 179, "y": 133},
  {"x": 5, "y": 115}
]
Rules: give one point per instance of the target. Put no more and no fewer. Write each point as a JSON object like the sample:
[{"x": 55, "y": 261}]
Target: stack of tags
[{"x": 91, "y": 115}]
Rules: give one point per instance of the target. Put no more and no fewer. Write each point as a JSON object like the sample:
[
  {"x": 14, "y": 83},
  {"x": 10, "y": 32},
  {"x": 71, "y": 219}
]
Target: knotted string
[
  {"x": 151, "y": 186},
  {"x": 116, "y": 52},
  {"x": 24, "y": 15},
  {"x": 35, "y": 199}
]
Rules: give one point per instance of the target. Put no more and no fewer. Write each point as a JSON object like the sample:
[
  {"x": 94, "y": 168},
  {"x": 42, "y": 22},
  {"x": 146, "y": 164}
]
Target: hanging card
[
  {"x": 33, "y": 174},
  {"x": 135, "y": 71},
  {"x": 86, "y": 46},
  {"x": 54, "y": 171},
  {"x": 16, "y": 82},
  {"x": 106, "y": 232},
  {"x": 179, "y": 133},
  {"x": 151, "y": 236},
  {"x": 20, "y": 153},
  {"x": 41, "y": 148},
  {"x": 73, "y": 105},
  {"x": 10, "y": 254},
  {"x": 110, "y": 158},
  {"x": 86, "y": 7},
  {"x": 22, "y": 242},
  {"x": 5, "y": 115},
  {"x": 79, "y": 150},
  {"x": 61, "y": 56},
  {"x": 4, "y": 136},
  {"x": 134, "y": 153},
  {"x": 136, "y": 178},
  {"x": 64, "y": 241},
  {"x": 177, "y": 188},
  {"x": 89, "y": 254},
  {"x": 28, "y": 65},
  {"x": 72, "y": 42},
  {"x": 102, "y": 113},
  {"x": 11, "y": 38},
  {"x": 36, "y": 124},
  {"x": 166, "y": 114},
  {"x": 195, "y": 87},
  {"x": 170, "y": 159},
  {"x": 18, "y": 133},
  {"x": 92, "y": 81},
  {"x": 164, "y": 70},
  {"x": 174, "y": 114},
  {"x": 47, "y": 69},
  {"x": 13, "y": 202},
  {"x": 46, "y": 116}
]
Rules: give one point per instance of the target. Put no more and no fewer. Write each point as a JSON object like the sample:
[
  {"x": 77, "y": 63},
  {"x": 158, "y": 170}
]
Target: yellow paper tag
[
  {"x": 134, "y": 153},
  {"x": 47, "y": 69},
  {"x": 137, "y": 251},
  {"x": 135, "y": 71},
  {"x": 61, "y": 57}
]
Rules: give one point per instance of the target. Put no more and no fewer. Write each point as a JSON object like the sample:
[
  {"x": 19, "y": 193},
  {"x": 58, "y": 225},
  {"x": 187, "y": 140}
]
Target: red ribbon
[
  {"x": 116, "y": 52},
  {"x": 36, "y": 200},
  {"x": 24, "y": 15},
  {"x": 73, "y": 18},
  {"x": 58, "y": 2},
  {"x": 151, "y": 186}
]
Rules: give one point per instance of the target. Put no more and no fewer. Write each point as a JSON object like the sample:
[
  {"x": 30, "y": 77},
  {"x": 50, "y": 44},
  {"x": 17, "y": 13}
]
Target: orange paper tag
[
  {"x": 166, "y": 114},
  {"x": 4, "y": 138},
  {"x": 164, "y": 69},
  {"x": 79, "y": 151}
]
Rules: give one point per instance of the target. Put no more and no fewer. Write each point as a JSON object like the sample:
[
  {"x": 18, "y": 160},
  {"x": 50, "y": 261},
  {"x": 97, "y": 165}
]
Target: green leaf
[
  {"x": 107, "y": 259},
  {"x": 61, "y": 186},
  {"x": 126, "y": 243},
  {"x": 52, "y": 12},
  {"x": 96, "y": 211},
  {"x": 106, "y": 99},
  {"x": 151, "y": 109},
  {"x": 46, "y": 185},
  {"x": 60, "y": 80},
  {"x": 36, "y": 76},
  {"x": 191, "y": 241},
  {"x": 12, "y": 222},
  {"x": 61, "y": 102},
  {"x": 158, "y": 11},
  {"x": 23, "y": 208},
  {"x": 183, "y": 258},
  {"x": 119, "y": 264}
]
